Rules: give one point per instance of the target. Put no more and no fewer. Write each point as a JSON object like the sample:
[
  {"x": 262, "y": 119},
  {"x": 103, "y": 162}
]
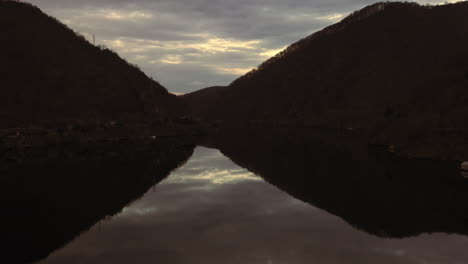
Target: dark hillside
[
  {"x": 50, "y": 73},
  {"x": 390, "y": 69},
  {"x": 200, "y": 102}
]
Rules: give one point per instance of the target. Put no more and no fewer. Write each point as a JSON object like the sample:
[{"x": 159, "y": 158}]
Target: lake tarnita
[{"x": 211, "y": 210}]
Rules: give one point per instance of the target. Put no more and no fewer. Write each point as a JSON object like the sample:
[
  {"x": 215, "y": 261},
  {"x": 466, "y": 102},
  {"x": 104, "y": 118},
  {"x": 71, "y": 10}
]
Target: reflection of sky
[
  {"x": 212, "y": 211},
  {"x": 208, "y": 168}
]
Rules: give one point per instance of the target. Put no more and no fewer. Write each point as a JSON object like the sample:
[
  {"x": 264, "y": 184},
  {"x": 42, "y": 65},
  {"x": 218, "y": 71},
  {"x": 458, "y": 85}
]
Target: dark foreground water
[{"x": 210, "y": 210}]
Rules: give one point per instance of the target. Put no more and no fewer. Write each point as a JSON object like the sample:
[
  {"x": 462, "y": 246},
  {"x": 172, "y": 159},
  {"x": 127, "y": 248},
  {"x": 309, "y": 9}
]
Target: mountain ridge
[
  {"x": 394, "y": 71},
  {"x": 52, "y": 74}
]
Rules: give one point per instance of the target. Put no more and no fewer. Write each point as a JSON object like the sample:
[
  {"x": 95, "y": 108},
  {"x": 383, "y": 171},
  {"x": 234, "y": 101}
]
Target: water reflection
[
  {"x": 372, "y": 189},
  {"x": 212, "y": 211},
  {"x": 208, "y": 168},
  {"x": 52, "y": 194}
]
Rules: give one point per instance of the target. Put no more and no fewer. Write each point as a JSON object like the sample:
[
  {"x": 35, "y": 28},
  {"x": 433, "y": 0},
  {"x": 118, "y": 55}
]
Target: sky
[{"x": 187, "y": 45}]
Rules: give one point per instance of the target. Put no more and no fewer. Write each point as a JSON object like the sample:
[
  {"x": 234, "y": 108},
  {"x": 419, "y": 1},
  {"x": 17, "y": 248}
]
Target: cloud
[
  {"x": 128, "y": 16},
  {"x": 180, "y": 42}
]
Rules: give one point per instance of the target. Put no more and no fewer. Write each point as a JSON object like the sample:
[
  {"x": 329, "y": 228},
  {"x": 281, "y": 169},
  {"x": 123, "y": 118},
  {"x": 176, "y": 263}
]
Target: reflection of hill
[
  {"x": 371, "y": 189},
  {"x": 48, "y": 203}
]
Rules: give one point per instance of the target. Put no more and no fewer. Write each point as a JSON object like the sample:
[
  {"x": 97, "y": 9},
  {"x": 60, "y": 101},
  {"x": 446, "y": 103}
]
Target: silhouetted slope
[
  {"x": 50, "y": 73},
  {"x": 388, "y": 68},
  {"x": 201, "y": 102}
]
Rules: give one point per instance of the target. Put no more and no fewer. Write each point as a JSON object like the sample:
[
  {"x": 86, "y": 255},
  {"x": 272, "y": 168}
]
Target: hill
[
  {"x": 49, "y": 73},
  {"x": 391, "y": 70},
  {"x": 201, "y": 102}
]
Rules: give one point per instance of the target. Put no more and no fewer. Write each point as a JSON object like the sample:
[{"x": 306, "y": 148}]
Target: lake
[{"x": 210, "y": 210}]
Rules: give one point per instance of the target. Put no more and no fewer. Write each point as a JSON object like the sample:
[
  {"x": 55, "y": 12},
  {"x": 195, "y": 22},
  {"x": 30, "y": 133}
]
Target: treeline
[
  {"x": 397, "y": 72},
  {"x": 354, "y": 17}
]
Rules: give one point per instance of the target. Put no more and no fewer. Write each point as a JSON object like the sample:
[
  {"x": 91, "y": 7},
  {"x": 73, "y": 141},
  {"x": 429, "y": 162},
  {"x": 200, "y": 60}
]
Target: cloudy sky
[{"x": 191, "y": 44}]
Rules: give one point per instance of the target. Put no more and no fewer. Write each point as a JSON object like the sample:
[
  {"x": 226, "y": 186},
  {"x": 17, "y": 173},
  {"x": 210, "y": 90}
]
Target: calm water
[{"x": 212, "y": 211}]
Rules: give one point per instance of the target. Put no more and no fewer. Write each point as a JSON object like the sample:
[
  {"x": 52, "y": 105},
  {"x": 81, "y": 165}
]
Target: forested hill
[
  {"x": 391, "y": 66},
  {"x": 49, "y": 73}
]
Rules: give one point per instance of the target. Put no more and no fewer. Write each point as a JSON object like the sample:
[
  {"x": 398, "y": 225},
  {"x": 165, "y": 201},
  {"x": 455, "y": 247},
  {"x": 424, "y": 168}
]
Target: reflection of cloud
[
  {"x": 243, "y": 222},
  {"x": 137, "y": 211},
  {"x": 216, "y": 177},
  {"x": 220, "y": 171}
]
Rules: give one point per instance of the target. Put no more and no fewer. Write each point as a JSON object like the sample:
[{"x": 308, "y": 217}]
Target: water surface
[{"x": 213, "y": 211}]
